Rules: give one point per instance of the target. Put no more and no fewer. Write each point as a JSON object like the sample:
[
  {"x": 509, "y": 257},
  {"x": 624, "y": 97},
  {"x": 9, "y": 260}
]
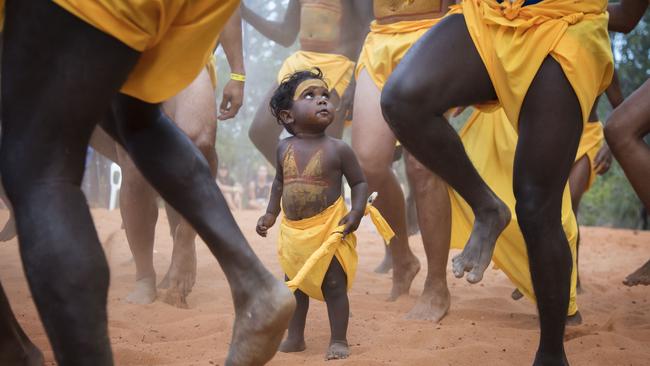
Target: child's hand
[
  {"x": 351, "y": 222},
  {"x": 264, "y": 223}
]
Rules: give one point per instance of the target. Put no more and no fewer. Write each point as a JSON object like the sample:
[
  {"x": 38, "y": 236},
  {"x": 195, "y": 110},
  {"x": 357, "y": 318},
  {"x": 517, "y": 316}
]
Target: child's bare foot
[
  {"x": 476, "y": 256},
  {"x": 261, "y": 317},
  {"x": 403, "y": 277},
  {"x": 575, "y": 319},
  {"x": 640, "y": 277},
  {"x": 516, "y": 294},
  {"x": 292, "y": 345},
  {"x": 337, "y": 350},
  {"x": 144, "y": 292},
  {"x": 431, "y": 305},
  {"x": 386, "y": 265}
]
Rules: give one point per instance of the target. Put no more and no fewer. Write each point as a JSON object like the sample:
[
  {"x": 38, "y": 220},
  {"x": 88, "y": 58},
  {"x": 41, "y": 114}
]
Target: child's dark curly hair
[{"x": 282, "y": 98}]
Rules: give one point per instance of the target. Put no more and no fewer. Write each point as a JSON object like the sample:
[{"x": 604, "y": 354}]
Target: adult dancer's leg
[
  {"x": 434, "y": 217},
  {"x": 194, "y": 112},
  {"x": 374, "y": 144},
  {"x": 42, "y": 155},
  {"x": 412, "y": 93},
  {"x": 171, "y": 163},
  {"x": 625, "y": 130}
]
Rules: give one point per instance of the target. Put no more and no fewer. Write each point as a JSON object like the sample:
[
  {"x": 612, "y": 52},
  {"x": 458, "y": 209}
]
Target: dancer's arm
[
  {"x": 233, "y": 92},
  {"x": 625, "y": 15},
  {"x": 284, "y": 32}
]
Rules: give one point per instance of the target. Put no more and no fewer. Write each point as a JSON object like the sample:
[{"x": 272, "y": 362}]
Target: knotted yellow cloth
[
  {"x": 337, "y": 69},
  {"x": 306, "y": 247},
  {"x": 591, "y": 141},
  {"x": 176, "y": 38},
  {"x": 386, "y": 45},
  {"x": 513, "y": 40},
  {"x": 490, "y": 142}
]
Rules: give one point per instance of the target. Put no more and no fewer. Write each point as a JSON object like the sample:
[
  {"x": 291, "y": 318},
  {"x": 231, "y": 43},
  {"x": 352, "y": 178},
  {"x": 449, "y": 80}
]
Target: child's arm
[
  {"x": 358, "y": 186},
  {"x": 273, "y": 209},
  {"x": 284, "y": 32}
]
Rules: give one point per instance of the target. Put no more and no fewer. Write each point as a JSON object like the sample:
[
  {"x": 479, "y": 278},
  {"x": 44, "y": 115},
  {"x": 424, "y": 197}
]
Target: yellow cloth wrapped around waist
[
  {"x": 591, "y": 141},
  {"x": 513, "y": 40},
  {"x": 306, "y": 247},
  {"x": 175, "y": 38},
  {"x": 337, "y": 69},
  {"x": 386, "y": 45},
  {"x": 490, "y": 142}
]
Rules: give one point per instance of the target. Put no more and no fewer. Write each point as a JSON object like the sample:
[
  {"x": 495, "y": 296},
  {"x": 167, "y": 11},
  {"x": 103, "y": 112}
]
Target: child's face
[{"x": 312, "y": 110}]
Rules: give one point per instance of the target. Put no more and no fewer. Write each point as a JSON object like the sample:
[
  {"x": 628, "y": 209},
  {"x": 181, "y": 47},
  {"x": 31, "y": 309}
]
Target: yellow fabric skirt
[
  {"x": 490, "y": 141},
  {"x": 337, "y": 69},
  {"x": 513, "y": 41},
  {"x": 306, "y": 247},
  {"x": 386, "y": 45},
  {"x": 591, "y": 141},
  {"x": 176, "y": 38}
]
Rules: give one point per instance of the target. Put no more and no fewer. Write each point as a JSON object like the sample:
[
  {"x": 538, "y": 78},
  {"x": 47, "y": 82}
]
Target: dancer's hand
[
  {"x": 351, "y": 222},
  {"x": 603, "y": 160},
  {"x": 233, "y": 98},
  {"x": 264, "y": 224}
]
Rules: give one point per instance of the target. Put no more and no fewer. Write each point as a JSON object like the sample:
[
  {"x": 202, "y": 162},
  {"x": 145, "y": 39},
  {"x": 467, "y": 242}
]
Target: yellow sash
[{"x": 306, "y": 247}]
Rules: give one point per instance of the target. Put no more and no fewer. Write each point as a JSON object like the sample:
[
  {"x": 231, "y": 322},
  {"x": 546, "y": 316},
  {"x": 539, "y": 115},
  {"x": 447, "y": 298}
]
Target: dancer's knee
[
  {"x": 616, "y": 133},
  {"x": 334, "y": 288},
  {"x": 405, "y": 99},
  {"x": 534, "y": 210}
]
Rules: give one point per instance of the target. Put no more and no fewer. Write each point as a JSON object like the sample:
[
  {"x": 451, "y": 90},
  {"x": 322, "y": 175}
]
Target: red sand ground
[{"x": 484, "y": 326}]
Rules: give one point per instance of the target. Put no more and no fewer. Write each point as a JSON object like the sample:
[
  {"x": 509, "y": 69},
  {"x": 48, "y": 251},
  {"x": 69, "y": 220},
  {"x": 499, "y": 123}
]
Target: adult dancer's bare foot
[
  {"x": 432, "y": 305},
  {"x": 403, "y": 277},
  {"x": 292, "y": 345},
  {"x": 477, "y": 254},
  {"x": 639, "y": 277},
  {"x": 181, "y": 276},
  {"x": 337, "y": 350},
  {"x": 144, "y": 291},
  {"x": 9, "y": 230},
  {"x": 386, "y": 264},
  {"x": 261, "y": 318}
]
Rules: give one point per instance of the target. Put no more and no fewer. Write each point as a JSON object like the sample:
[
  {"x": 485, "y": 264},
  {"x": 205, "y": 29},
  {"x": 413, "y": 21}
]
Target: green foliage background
[{"x": 610, "y": 202}]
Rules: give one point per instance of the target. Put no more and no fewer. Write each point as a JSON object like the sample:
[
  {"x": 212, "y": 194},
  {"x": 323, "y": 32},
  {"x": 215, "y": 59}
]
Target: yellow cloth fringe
[
  {"x": 591, "y": 141},
  {"x": 513, "y": 41},
  {"x": 386, "y": 45},
  {"x": 211, "y": 66},
  {"x": 176, "y": 38},
  {"x": 490, "y": 141},
  {"x": 337, "y": 69},
  {"x": 306, "y": 247}
]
